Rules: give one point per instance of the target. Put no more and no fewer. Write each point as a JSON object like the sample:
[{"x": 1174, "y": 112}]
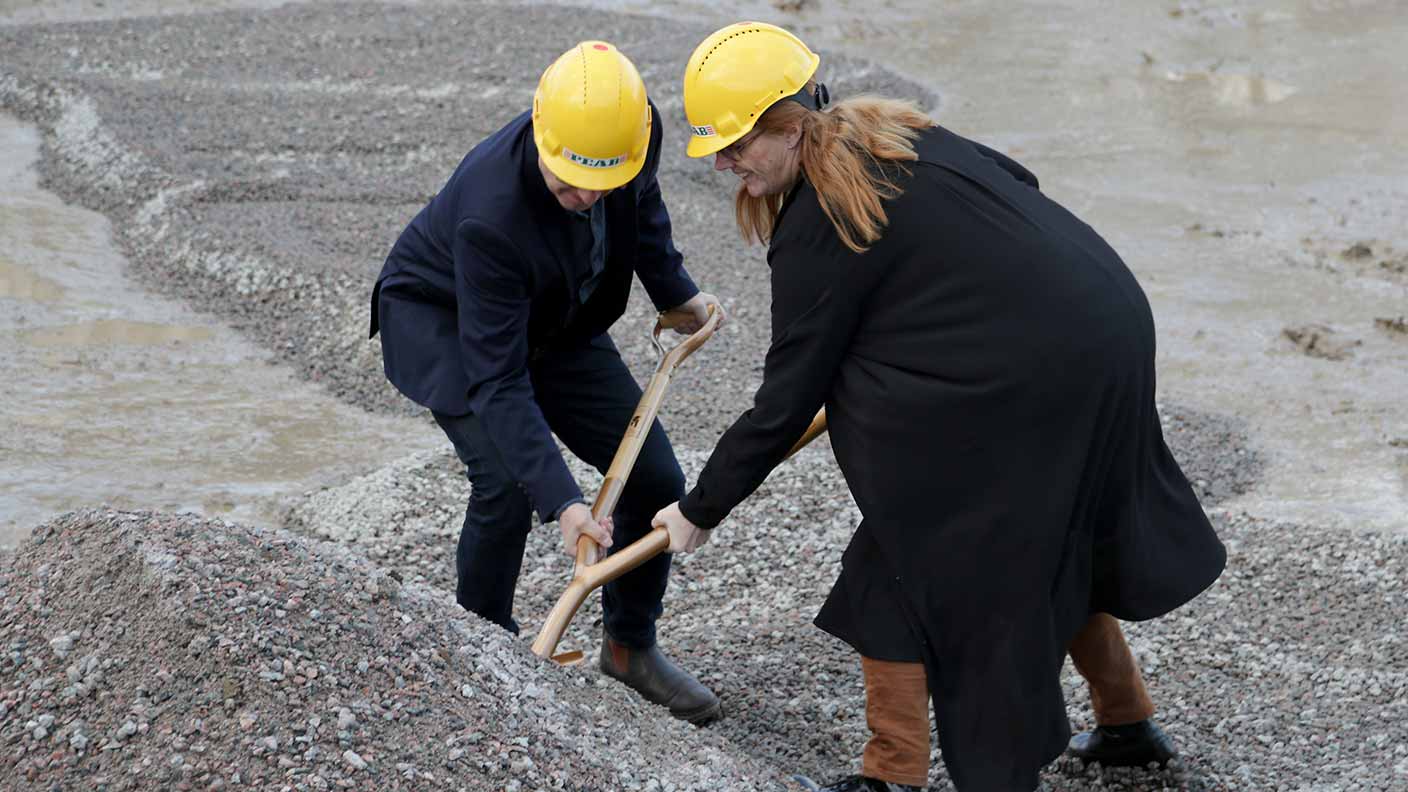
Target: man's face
[{"x": 573, "y": 199}]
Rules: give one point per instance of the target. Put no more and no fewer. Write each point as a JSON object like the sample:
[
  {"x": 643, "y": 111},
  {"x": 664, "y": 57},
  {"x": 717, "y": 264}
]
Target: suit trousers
[{"x": 587, "y": 396}]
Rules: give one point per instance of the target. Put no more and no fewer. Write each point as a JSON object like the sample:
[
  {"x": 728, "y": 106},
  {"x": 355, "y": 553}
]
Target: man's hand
[
  {"x": 576, "y": 521},
  {"x": 697, "y": 307},
  {"x": 685, "y": 536}
]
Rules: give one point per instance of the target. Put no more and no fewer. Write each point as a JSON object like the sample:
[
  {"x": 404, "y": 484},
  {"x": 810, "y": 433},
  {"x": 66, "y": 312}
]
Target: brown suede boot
[{"x": 651, "y": 674}]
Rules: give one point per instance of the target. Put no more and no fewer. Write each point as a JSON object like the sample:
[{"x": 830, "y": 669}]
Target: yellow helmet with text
[
  {"x": 737, "y": 73},
  {"x": 591, "y": 121}
]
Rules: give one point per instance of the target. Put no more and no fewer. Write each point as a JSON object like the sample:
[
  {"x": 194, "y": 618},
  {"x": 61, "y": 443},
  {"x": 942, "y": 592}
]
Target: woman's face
[{"x": 766, "y": 162}]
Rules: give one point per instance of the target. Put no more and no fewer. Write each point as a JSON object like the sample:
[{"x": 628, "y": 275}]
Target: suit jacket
[{"x": 488, "y": 274}]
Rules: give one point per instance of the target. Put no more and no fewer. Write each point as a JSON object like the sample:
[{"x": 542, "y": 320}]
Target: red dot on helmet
[{"x": 600, "y": 47}]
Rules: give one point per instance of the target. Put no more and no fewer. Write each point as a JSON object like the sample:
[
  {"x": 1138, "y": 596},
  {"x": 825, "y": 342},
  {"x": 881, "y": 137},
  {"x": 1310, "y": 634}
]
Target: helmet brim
[
  {"x": 700, "y": 146},
  {"x": 584, "y": 178}
]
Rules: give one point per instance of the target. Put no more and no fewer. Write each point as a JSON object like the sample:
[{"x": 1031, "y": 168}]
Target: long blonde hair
[{"x": 843, "y": 150}]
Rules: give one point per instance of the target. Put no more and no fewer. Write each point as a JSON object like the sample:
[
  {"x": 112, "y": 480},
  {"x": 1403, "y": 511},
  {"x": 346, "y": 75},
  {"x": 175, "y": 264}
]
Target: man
[{"x": 493, "y": 308}]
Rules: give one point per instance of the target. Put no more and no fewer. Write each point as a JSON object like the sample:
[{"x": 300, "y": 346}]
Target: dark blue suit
[{"x": 481, "y": 311}]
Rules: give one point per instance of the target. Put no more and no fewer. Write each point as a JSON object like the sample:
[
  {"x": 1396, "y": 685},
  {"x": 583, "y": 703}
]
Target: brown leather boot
[{"x": 650, "y": 673}]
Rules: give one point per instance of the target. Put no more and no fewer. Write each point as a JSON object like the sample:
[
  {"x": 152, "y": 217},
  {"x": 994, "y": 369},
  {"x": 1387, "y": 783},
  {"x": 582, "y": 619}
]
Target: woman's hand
[
  {"x": 685, "y": 536},
  {"x": 576, "y": 521}
]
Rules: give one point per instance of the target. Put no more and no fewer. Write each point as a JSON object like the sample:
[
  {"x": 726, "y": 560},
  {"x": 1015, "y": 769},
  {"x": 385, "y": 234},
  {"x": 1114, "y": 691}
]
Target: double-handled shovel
[{"x": 591, "y": 574}]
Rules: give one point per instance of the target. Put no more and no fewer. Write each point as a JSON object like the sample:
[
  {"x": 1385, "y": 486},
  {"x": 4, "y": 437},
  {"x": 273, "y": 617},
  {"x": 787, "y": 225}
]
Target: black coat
[
  {"x": 489, "y": 273},
  {"x": 988, "y": 373}
]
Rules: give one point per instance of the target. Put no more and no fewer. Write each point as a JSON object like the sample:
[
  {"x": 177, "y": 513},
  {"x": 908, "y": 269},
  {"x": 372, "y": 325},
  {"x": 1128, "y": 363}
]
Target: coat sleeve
[
  {"x": 1008, "y": 164},
  {"x": 493, "y": 294},
  {"x": 659, "y": 265},
  {"x": 819, "y": 288}
]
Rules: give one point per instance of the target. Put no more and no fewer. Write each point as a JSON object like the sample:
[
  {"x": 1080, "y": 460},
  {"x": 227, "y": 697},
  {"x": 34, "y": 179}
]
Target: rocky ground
[
  {"x": 258, "y": 165},
  {"x": 150, "y": 651}
]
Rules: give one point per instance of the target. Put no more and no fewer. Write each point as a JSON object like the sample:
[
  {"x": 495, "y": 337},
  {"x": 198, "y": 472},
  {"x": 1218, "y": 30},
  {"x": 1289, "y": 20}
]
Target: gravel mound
[
  {"x": 149, "y": 651},
  {"x": 1297, "y": 651}
]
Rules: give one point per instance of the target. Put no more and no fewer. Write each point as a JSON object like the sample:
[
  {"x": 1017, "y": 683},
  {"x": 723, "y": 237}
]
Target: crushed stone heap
[{"x": 160, "y": 651}]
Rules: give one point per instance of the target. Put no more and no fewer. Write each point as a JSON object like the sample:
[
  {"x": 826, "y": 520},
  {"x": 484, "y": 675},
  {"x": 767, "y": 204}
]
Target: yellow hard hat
[
  {"x": 737, "y": 73},
  {"x": 591, "y": 122}
]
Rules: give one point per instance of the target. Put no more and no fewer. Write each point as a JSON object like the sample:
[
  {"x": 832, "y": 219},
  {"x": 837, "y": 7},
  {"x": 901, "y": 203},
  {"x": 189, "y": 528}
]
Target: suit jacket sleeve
[
  {"x": 1008, "y": 164},
  {"x": 493, "y": 292},
  {"x": 818, "y": 288},
  {"x": 658, "y": 265}
]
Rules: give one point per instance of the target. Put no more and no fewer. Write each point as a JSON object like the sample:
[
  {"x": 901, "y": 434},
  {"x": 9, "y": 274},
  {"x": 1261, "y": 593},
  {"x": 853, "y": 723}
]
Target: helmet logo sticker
[
  {"x": 703, "y": 131},
  {"x": 592, "y": 162}
]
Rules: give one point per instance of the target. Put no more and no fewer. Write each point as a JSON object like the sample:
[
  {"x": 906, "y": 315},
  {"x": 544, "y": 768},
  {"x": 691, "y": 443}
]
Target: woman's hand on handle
[{"x": 685, "y": 536}]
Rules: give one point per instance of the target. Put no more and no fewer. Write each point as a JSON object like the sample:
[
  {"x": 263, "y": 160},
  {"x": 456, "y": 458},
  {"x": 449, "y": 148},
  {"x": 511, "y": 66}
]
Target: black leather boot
[
  {"x": 651, "y": 674},
  {"x": 856, "y": 784},
  {"x": 1130, "y": 745}
]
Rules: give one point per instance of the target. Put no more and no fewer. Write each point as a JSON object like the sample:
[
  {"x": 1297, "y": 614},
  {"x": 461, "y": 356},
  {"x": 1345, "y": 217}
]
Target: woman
[{"x": 987, "y": 366}]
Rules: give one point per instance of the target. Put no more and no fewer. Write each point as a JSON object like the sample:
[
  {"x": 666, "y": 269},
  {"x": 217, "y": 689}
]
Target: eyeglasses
[{"x": 735, "y": 150}]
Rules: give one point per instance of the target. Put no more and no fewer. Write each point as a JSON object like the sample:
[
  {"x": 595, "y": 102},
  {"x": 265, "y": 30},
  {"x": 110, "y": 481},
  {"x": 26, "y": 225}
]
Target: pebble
[{"x": 62, "y": 645}]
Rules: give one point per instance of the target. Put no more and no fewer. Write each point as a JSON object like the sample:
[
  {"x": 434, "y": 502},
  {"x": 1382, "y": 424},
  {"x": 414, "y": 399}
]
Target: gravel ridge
[{"x": 153, "y": 651}]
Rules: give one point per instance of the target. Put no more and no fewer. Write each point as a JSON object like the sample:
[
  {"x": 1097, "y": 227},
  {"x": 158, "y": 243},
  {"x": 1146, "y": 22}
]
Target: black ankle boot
[
  {"x": 1130, "y": 745},
  {"x": 651, "y": 674},
  {"x": 855, "y": 784}
]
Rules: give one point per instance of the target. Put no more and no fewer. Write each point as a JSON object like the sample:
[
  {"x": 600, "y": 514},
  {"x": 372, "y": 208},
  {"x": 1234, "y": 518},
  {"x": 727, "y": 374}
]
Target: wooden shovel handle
[
  {"x": 590, "y": 576},
  {"x": 590, "y": 573},
  {"x": 639, "y": 427},
  {"x": 818, "y": 425},
  {"x": 589, "y": 579}
]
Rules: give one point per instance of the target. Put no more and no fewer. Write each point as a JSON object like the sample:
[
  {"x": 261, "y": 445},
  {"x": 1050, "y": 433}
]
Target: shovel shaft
[
  {"x": 818, "y": 425},
  {"x": 590, "y": 573},
  {"x": 589, "y": 579}
]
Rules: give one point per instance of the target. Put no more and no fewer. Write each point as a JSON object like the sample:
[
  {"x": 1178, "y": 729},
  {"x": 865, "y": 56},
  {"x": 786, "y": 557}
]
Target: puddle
[
  {"x": 1243, "y": 90},
  {"x": 115, "y": 396},
  {"x": 115, "y": 331},
  {"x": 19, "y": 283}
]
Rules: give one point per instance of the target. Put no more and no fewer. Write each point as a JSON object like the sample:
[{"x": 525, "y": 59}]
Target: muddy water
[
  {"x": 1236, "y": 153},
  {"x": 111, "y": 395}
]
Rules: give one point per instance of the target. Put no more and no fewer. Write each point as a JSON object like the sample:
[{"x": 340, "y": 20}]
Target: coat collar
[{"x": 534, "y": 188}]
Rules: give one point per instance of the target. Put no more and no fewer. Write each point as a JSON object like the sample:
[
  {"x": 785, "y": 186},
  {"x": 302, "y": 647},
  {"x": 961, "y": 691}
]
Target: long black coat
[{"x": 988, "y": 373}]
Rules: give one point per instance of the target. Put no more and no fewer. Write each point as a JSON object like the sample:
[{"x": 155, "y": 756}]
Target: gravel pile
[
  {"x": 148, "y": 651},
  {"x": 260, "y": 165},
  {"x": 151, "y": 651}
]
